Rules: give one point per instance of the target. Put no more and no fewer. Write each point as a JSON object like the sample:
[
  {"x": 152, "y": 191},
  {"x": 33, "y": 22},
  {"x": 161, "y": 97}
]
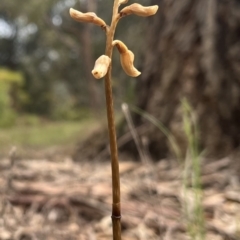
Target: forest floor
[{"x": 49, "y": 196}]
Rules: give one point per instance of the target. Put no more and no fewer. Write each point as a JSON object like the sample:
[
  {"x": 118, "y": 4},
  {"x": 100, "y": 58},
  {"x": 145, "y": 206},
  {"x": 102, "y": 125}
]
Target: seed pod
[
  {"x": 101, "y": 66},
  {"x": 139, "y": 10},
  {"x": 89, "y": 17},
  {"x": 126, "y": 58}
]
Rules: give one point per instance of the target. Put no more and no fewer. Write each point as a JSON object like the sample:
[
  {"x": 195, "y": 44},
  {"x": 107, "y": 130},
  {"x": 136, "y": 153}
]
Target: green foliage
[
  {"x": 8, "y": 80},
  {"x": 70, "y": 113},
  {"x": 64, "y": 105},
  {"x": 194, "y": 215},
  {"x": 9, "y": 76},
  {"x": 32, "y": 131}
]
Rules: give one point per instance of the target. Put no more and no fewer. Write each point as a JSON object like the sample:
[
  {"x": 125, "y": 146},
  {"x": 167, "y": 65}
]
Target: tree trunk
[
  {"x": 86, "y": 40},
  {"x": 193, "y": 52}
]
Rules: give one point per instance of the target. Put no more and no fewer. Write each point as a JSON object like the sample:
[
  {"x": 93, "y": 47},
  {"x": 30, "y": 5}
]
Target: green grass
[
  {"x": 194, "y": 215},
  {"x": 161, "y": 127},
  {"x": 44, "y": 134}
]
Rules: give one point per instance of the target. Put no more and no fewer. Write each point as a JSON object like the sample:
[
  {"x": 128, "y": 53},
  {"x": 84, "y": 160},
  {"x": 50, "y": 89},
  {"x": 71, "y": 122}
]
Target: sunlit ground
[{"x": 40, "y": 133}]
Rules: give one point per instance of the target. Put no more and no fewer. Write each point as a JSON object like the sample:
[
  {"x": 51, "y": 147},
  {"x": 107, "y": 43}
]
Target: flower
[
  {"x": 126, "y": 58},
  {"x": 89, "y": 17},
  {"x": 101, "y": 66},
  {"x": 139, "y": 10},
  {"x": 122, "y": 2}
]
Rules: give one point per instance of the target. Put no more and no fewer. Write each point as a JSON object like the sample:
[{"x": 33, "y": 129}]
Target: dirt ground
[{"x": 53, "y": 197}]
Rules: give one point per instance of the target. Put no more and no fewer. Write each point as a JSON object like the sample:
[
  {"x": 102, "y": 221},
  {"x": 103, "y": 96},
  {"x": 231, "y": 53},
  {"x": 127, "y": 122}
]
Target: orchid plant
[{"x": 103, "y": 68}]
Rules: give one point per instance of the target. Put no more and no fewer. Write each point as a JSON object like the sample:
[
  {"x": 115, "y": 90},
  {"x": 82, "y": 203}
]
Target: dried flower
[
  {"x": 122, "y": 2},
  {"x": 139, "y": 10},
  {"x": 89, "y": 17},
  {"x": 126, "y": 58},
  {"x": 101, "y": 66}
]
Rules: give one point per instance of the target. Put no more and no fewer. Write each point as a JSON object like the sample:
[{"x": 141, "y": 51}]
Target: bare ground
[{"x": 49, "y": 197}]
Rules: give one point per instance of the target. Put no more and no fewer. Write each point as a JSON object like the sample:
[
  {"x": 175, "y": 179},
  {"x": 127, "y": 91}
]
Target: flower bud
[
  {"x": 101, "y": 66},
  {"x": 139, "y": 10},
  {"x": 89, "y": 17},
  {"x": 126, "y": 58}
]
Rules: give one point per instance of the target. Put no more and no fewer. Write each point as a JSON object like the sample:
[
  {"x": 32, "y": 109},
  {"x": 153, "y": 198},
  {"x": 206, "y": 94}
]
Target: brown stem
[{"x": 116, "y": 207}]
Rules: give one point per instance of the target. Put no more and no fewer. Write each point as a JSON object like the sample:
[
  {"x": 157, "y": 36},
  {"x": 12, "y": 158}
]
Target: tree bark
[
  {"x": 193, "y": 52},
  {"x": 86, "y": 39}
]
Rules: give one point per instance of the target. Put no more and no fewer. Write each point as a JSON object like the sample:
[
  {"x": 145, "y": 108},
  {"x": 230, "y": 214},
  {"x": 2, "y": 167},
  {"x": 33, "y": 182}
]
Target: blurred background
[
  {"x": 189, "y": 50},
  {"x": 45, "y": 66}
]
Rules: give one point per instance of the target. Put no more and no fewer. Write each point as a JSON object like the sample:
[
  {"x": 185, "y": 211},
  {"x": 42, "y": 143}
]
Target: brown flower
[
  {"x": 89, "y": 17},
  {"x": 122, "y": 2},
  {"x": 139, "y": 10},
  {"x": 126, "y": 58},
  {"x": 101, "y": 66}
]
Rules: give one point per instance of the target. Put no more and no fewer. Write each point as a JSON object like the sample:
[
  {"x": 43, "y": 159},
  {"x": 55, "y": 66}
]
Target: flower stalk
[
  {"x": 103, "y": 68},
  {"x": 116, "y": 194}
]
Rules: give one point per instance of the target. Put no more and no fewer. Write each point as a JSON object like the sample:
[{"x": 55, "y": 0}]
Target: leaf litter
[{"x": 62, "y": 199}]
